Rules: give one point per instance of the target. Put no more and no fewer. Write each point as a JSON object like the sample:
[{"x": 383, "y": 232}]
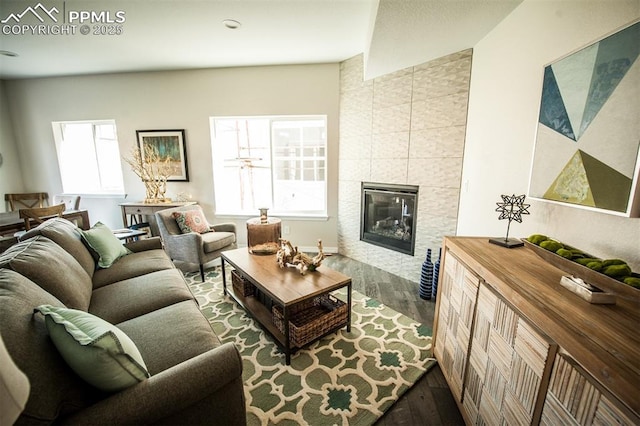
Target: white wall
[
  {"x": 10, "y": 172},
  {"x": 174, "y": 100},
  {"x": 506, "y": 82}
]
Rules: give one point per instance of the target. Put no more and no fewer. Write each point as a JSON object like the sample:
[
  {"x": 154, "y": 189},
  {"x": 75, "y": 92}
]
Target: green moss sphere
[
  {"x": 565, "y": 253},
  {"x": 551, "y": 245},
  {"x": 596, "y": 265},
  {"x": 586, "y": 260},
  {"x": 632, "y": 281},
  {"x": 609, "y": 262},
  {"x": 537, "y": 238},
  {"x": 616, "y": 271}
]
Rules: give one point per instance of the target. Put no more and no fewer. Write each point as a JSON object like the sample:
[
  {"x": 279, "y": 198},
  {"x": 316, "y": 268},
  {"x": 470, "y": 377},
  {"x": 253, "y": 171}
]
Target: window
[
  {"x": 274, "y": 162},
  {"x": 89, "y": 157}
]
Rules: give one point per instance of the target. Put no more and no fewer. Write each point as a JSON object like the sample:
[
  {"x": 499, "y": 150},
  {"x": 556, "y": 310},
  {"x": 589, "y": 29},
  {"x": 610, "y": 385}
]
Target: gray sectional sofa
[{"x": 194, "y": 379}]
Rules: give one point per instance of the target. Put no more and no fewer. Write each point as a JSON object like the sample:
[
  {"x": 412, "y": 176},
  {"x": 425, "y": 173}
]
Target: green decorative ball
[
  {"x": 565, "y": 253},
  {"x": 609, "y": 262},
  {"x": 596, "y": 265},
  {"x": 537, "y": 239},
  {"x": 551, "y": 245},
  {"x": 617, "y": 271},
  {"x": 586, "y": 260},
  {"x": 632, "y": 281}
]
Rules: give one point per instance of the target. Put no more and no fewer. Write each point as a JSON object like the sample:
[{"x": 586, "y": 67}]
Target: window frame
[
  {"x": 321, "y": 214},
  {"x": 58, "y": 133}
]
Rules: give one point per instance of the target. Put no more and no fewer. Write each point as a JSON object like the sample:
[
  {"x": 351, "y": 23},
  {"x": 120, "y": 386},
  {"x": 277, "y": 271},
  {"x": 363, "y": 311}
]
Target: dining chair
[
  {"x": 28, "y": 200},
  {"x": 40, "y": 214}
]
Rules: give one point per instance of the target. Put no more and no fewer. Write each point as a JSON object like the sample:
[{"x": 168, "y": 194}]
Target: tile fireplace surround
[{"x": 407, "y": 127}]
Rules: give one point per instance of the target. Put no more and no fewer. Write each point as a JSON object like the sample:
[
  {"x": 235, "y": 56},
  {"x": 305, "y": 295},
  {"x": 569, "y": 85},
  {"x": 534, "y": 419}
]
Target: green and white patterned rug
[{"x": 346, "y": 378}]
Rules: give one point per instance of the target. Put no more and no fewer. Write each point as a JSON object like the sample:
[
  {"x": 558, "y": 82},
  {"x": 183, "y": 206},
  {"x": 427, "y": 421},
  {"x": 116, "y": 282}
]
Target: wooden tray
[
  {"x": 597, "y": 279},
  {"x": 592, "y": 295}
]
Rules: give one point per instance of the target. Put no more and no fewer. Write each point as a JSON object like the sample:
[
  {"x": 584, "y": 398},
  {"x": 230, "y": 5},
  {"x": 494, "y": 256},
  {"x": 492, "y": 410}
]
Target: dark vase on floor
[
  {"x": 436, "y": 274},
  {"x": 426, "y": 277}
]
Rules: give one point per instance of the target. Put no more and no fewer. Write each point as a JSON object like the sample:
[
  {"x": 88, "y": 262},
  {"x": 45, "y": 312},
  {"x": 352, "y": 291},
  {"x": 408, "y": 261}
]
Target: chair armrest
[
  {"x": 224, "y": 227},
  {"x": 185, "y": 247},
  {"x": 145, "y": 244},
  {"x": 177, "y": 390}
]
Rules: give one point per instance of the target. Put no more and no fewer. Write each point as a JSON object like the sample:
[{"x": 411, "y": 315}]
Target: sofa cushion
[
  {"x": 52, "y": 268},
  {"x": 68, "y": 236},
  {"x": 217, "y": 240},
  {"x": 96, "y": 350},
  {"x": 55, "y": 389},
  {"x": 130, "y": 298},
  {"x": 170, "y": 335},
  {"x": 107, "y": 247},
  {"x": 133, "y": 265},
  {"x": 192, "y": 221}
]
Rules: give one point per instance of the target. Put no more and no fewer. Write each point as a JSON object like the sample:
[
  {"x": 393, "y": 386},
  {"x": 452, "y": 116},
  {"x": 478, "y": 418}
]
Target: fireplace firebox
[{"x": 388, "y": 216}]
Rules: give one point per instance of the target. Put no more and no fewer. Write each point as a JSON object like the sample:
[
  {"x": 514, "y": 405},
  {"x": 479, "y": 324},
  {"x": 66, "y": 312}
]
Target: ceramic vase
[
  {"x": 426, "y": 277},
  {"x": 436, "y": 274}
]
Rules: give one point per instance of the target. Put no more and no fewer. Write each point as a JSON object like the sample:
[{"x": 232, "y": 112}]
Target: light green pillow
[
  {"x": 107, "y": 246},
  {"x": 99, "y": 352}
]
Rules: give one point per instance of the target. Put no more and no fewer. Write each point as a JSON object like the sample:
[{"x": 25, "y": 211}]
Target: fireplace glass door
[{"x": 388, "y": 216}]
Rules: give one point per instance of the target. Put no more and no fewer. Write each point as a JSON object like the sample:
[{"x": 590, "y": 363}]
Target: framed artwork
[
  {"x": 588, "y": 133},
  {"x": 168, "y": 144}
]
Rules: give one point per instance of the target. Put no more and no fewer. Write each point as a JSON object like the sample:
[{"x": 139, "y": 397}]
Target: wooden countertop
[{"x": 603, "y": 339}]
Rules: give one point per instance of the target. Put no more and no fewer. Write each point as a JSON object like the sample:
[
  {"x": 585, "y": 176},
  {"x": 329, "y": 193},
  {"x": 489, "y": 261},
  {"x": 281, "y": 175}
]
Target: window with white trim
[
  {"x": 89, "y": 157},
  {"x": 276, "y": 162}
]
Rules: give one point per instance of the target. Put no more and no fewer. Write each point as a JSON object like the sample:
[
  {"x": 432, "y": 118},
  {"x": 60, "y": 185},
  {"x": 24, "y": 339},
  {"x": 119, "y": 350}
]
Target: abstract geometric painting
[{"x": 588, "y": 134}]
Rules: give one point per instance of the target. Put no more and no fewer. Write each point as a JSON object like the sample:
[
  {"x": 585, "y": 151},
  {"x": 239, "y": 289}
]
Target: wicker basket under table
[
  {"x": 312, "y": 318},
  {"x": 241, "y": 286}
]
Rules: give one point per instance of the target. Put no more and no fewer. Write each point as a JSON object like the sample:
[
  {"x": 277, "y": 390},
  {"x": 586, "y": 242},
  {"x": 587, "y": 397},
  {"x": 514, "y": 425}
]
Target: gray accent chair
[{"x": 194, "y": 247}]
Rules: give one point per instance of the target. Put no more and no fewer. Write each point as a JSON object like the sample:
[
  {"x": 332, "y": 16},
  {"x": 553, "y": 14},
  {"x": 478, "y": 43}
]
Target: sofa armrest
[
  {"x": 224, "y": 227},
  {"x": 214, "y": 377},
  {"x": 145, "y": 244}
]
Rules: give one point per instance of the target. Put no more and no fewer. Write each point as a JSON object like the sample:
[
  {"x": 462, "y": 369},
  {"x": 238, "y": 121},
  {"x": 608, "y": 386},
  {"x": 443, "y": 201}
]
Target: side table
[{"x": 133, "y": 213}]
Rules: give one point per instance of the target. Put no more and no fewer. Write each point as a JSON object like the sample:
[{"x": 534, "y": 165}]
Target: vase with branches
[{"x": 153, "y": 171}]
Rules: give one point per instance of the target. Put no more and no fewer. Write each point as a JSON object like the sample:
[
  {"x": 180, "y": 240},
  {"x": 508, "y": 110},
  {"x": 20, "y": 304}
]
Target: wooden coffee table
[{"x": 284, "y": 287}]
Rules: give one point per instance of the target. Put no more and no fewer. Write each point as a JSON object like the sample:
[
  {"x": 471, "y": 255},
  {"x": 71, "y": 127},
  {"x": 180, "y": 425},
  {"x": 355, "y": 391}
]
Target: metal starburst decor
[{"x": 511, "y": 208}]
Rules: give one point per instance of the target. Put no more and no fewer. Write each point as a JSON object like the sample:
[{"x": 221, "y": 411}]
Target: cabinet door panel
[
  {"x": 507, "y": 364},
  {"x": 574, "y": 398},
  {"x": 457, "y": 295}
]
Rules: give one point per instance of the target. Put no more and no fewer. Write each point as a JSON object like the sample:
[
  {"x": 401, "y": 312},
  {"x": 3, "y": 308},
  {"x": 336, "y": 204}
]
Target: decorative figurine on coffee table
[
  {"x": 511, "y": 208},
  {"x": 289, "y": 256}
]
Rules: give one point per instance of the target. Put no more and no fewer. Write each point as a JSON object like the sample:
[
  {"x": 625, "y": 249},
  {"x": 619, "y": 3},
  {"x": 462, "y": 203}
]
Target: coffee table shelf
[
  {"x": 286, "y": 289},
  {"x": 259, "y": 312}
]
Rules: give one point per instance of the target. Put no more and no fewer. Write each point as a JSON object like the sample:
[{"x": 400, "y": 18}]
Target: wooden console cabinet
[{"x": 518, "y": 348}]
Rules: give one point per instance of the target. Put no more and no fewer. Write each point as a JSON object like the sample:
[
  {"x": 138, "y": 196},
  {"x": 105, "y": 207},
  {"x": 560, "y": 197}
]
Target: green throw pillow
[
  {"x": 106, "y": 245},
  {"x": 99, "y": 352}
]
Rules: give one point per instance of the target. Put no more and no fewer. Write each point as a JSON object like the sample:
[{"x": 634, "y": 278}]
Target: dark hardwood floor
[{"x": 429, "y": 401}]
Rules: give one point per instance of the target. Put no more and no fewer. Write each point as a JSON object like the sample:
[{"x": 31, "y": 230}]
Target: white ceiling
[{"x": 172, "y": 34}]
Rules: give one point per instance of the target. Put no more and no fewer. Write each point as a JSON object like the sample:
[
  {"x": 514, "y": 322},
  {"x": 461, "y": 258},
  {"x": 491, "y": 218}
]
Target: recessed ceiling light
[
  {"x": 8, "y": 53},
  {"x": 232, "y": 24}
]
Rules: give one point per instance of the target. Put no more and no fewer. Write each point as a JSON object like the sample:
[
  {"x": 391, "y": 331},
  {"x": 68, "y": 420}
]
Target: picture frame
[
  {"x": 587, "y": 145},
  {"x": 168, "y": 143}
]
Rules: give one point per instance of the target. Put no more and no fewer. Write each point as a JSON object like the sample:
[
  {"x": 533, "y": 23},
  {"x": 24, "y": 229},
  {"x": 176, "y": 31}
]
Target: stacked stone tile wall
[{"x": 407, "y": 127}]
